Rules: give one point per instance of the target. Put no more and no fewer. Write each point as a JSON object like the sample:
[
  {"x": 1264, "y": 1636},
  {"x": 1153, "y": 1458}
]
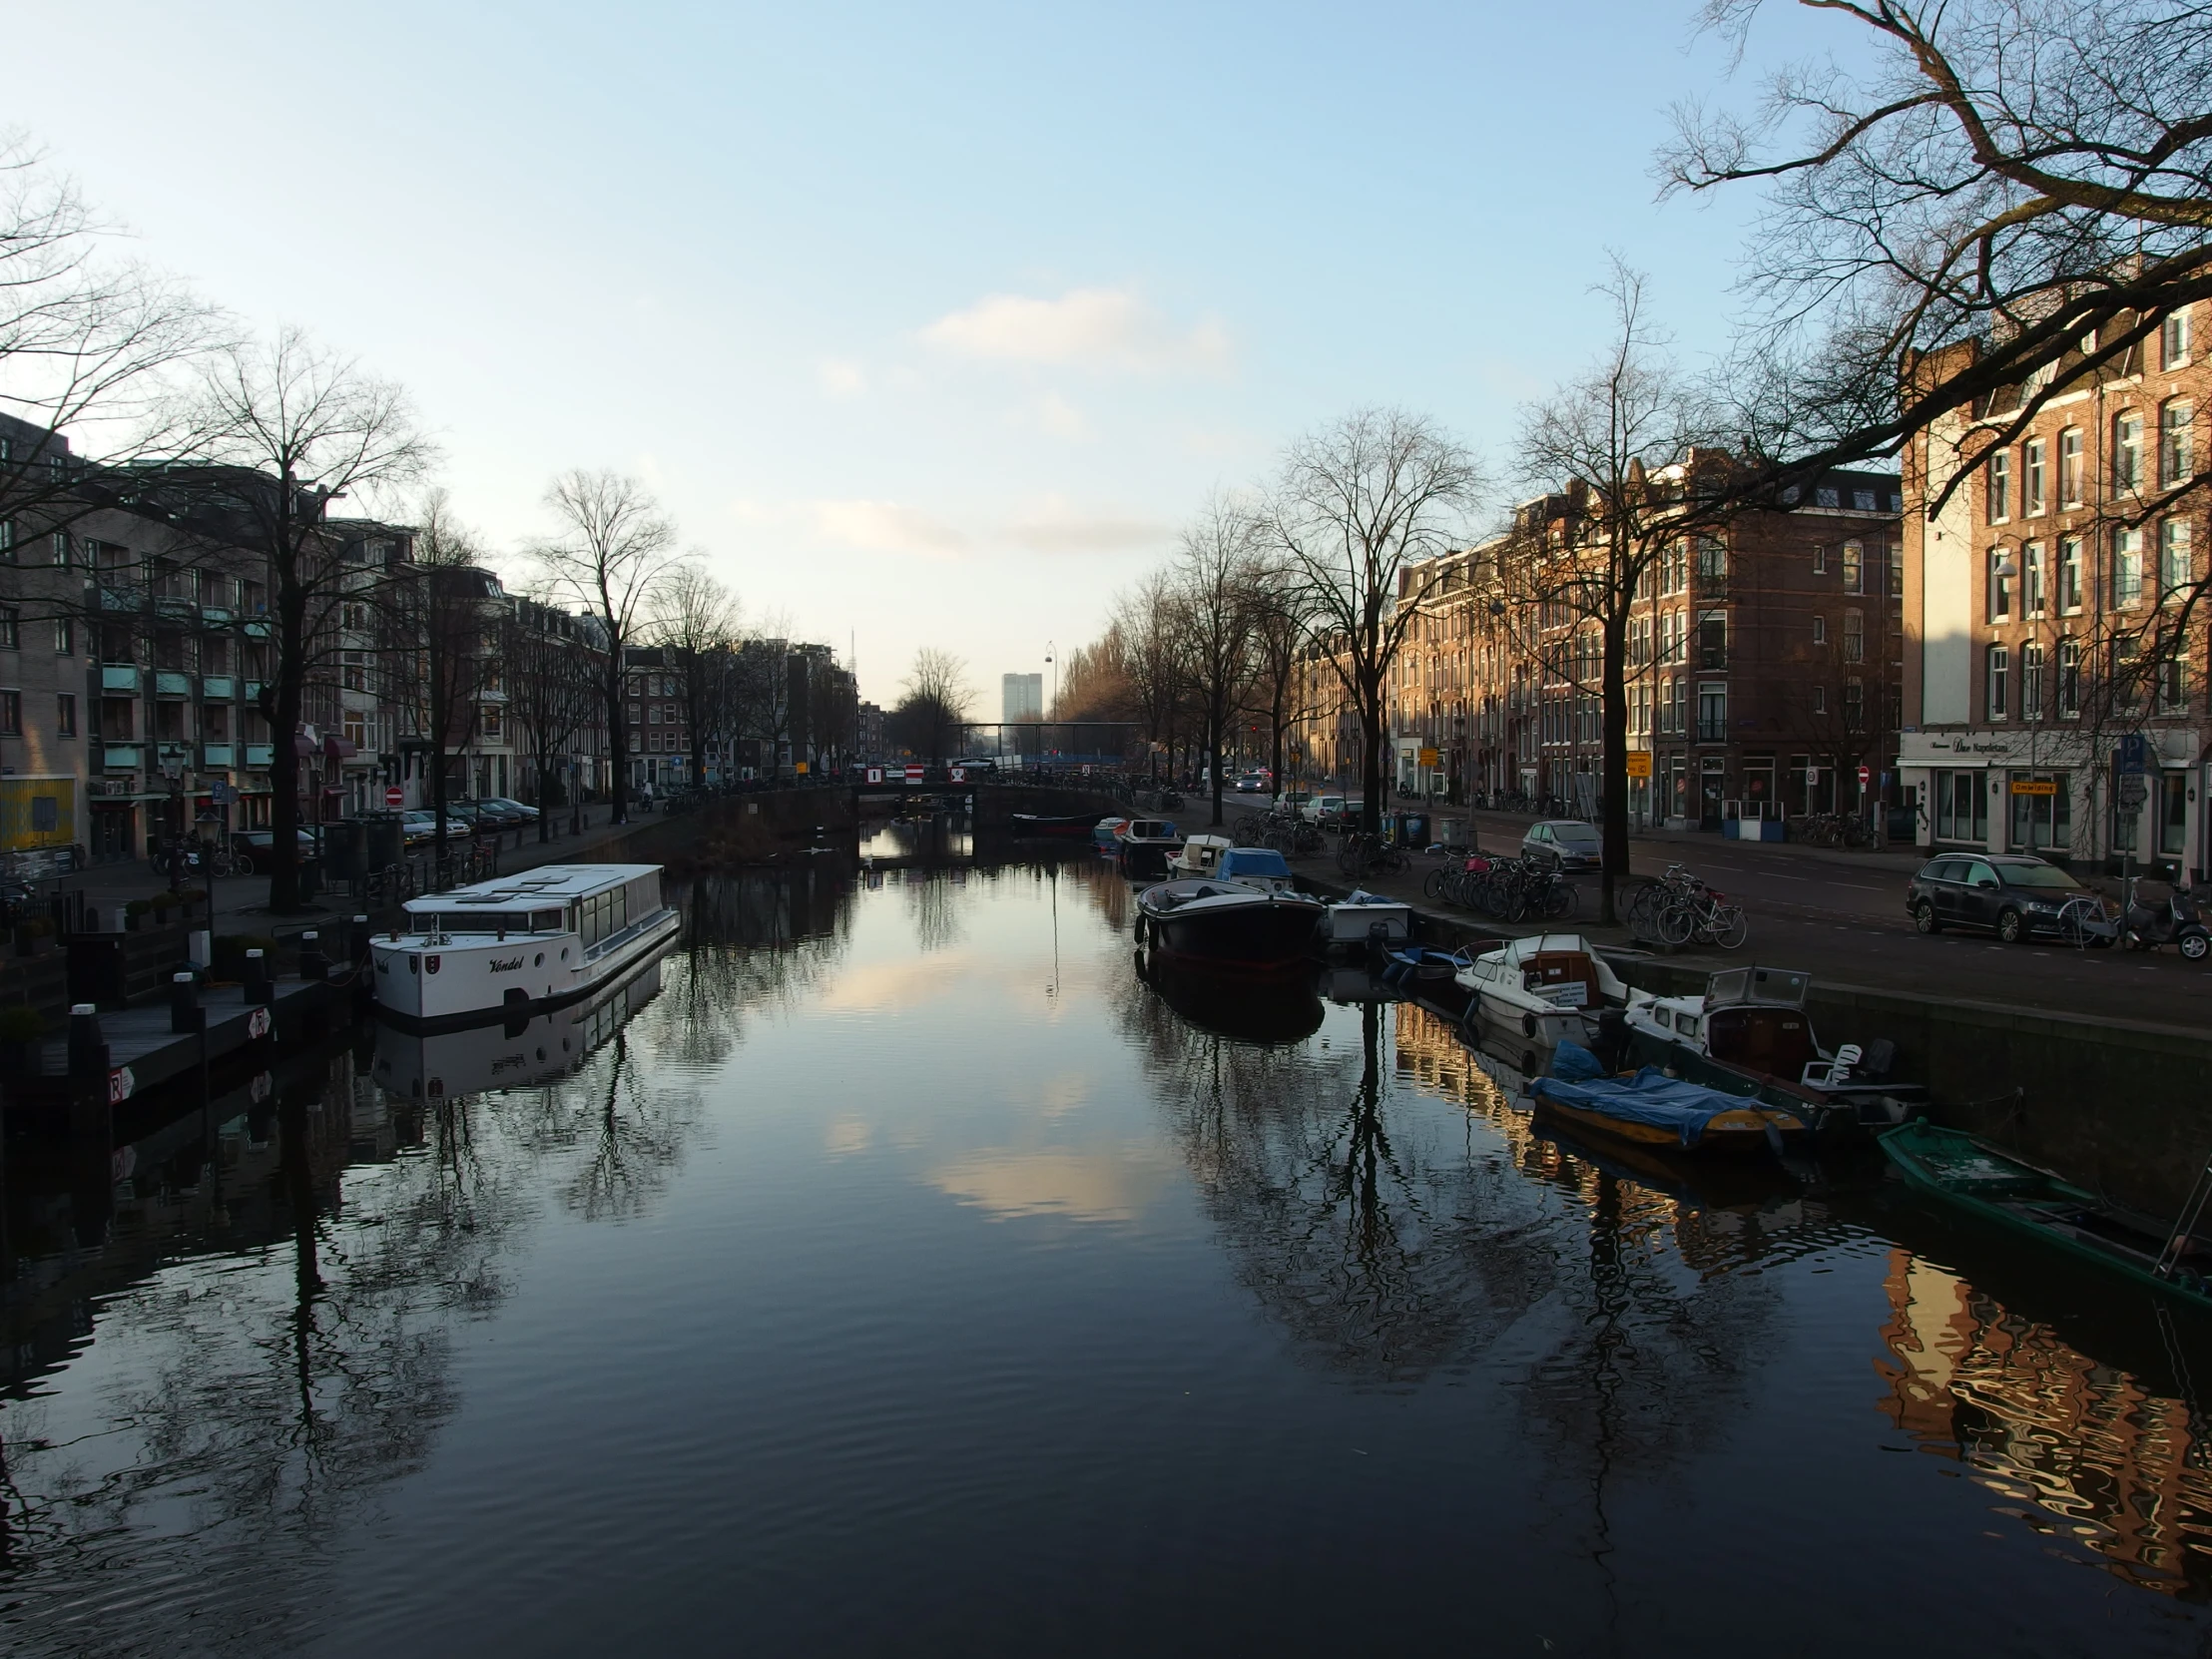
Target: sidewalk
[{"x": 241, "y": 902}]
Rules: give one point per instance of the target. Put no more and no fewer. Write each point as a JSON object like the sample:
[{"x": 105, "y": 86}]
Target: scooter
[{"x": 2174, "y": 922}]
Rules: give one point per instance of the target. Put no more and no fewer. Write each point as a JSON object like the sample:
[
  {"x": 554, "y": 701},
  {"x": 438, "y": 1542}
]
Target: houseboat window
[{"x": 545, "y": 921}]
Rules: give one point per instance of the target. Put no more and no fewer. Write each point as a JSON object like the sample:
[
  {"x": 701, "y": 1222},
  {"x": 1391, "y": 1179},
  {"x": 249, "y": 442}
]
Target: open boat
[
  {"x": 1228, "y": 924},
  {"x": 1106, "y": 834},
  {"x": 1988, "y": 1184},
  {"x": 1200, "y": 854},
  {"x": 1530, "y": 996},
  {"x": 1146, "y": 845},
  {"x": 1367, "y": 916},
  {"x": 1256, "y": 866},
  {"x": 1750, "y": 1034},
  {"x": 1653, "y": 1109},
  {"x": 1072, "y": 825}
]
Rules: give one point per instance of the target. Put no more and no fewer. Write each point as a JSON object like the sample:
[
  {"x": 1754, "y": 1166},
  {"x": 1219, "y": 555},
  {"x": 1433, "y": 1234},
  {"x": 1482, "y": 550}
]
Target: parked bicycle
[{"x": 1678, "y": 909}]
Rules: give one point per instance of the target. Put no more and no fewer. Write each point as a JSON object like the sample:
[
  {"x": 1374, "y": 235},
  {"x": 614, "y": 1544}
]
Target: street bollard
[
  {"x": 358, "y": 947},
  {"x": 314, "y": 966},
  {"x": 88, "y": 1050},
  {"x": 183, "y": 1002},
  {"x": 257, "y": 977}
]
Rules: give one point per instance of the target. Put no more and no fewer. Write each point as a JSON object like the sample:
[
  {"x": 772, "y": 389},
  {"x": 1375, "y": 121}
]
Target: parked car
[
  {"x": 252, "y": 847},
  {"x": 420, "y": 827},
  {"x": 489, "y": 815},
  {"x": 1567, "y": 842},
  {"x": 1295, "y": 799},
  {"x": 1324, "y": 809},
  {"x": 2016, "y": 895},
  {"x": 520, "y": 812}
]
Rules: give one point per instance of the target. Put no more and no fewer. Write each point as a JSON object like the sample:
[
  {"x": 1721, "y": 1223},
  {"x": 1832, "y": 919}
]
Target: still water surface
[{"x": 897, "y": 1272}]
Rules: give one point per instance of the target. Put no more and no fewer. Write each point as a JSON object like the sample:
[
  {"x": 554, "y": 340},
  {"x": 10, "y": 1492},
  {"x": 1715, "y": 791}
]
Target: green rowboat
[{"x": 2017, "y": 1196}]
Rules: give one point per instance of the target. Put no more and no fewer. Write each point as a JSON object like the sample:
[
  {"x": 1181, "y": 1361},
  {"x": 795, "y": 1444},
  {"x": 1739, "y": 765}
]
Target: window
[
  {"x": 653, "y": 714},
  {"x": 2171, "y": 682},
  {"x": 65, "y": 716},
  {"x": 2031, "y": 682},
  {"x": 1712, "y": 714},
  {"x": 115, "y": 719},
  {"x": 1961, "y": 813},
  {"x": 2000, "y": 668},
  {"x": 1897, "y": 576},
  {"x": 7, "y": 541},
  {"x": 2069, "y": 680},
  {"x": 1820, "y": 630},
  {"x": 2001, "y": 486},
  {"x": 1855, "y": 704},
  {"x": 1712, "y": 638},
  {"x": 1819, "y": 560},
  {"x": 635, "y": 715},
  {"x": 1864, "y": 500},
  {"x": 11, "y": 714},
  {"x": 1820, "y": 699},
  {"x": 2177, "y": 454},
  {"x": 1854, "y": 572},
  {"x": 2069, "y": 576},
  {"x": 1827, "y": 495},
  {"x": 2031, "y": 579},
  {"x": 2001, "y": 586},
  {"x": 61, "y": 549},
  {"x": 2127, "y": 452},
  {"x": 2177, "y": 565},
  {"x": 2032, "y": 477},
  {"x": 11, "y": 630},
  {"x": 354, "y": 673},
  {"x": 65, "y": 637},
  {"x": 2174, "y": 335},
  {"x": 1854, "y": 636},
  {"x": 214, "y": 725},
  {"x": 2070, "y": 467},
  {"x": 2127, "y": 568}
]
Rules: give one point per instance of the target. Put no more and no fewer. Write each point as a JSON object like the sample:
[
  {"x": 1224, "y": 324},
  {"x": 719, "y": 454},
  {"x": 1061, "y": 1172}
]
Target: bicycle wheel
[
  {"x": 1728, "y": 926},
  {"x": 1560, "y": 901},
  {"x": 1675, "y": 925},
  {"x": 1434, "y": 888}
]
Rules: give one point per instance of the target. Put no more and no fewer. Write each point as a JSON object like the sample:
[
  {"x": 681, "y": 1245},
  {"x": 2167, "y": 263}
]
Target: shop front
[{"x": 2041, "y": 791}]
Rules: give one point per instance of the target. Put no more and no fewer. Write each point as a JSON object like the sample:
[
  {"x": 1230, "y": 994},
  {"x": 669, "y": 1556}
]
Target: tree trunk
[
  {"x": 1213, "y": 760},
  {"x": 1371, "y": 759},
  {"x": 284, "y": 755},
  {"x": 1615, "y": 775},
  {"x": 618, "y": 741}
]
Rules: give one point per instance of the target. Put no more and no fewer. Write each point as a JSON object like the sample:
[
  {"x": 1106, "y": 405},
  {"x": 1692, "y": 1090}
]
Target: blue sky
[{"x": 929, "y": 326}]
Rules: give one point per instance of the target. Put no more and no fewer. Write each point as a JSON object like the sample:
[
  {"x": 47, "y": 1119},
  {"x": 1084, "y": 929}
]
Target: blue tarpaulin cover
[{"x": 1651, "y": 1096}]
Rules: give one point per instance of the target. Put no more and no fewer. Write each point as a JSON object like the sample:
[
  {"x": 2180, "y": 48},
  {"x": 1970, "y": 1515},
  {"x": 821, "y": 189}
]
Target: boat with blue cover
[{"x": 1653, "y": 1109}]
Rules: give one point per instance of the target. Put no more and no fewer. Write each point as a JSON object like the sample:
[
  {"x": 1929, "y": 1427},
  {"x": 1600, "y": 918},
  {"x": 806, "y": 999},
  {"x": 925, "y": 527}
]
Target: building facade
[{"x": 2057, "y": 684}]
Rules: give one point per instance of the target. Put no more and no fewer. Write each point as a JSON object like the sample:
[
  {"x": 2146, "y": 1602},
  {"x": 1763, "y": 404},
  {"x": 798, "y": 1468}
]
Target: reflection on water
[{"x": 905, "y": 1227}]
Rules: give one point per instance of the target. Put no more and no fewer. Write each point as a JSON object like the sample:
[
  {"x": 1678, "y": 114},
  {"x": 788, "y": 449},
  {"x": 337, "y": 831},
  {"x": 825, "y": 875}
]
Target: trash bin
[
  {"x": 344, "y": 849},
  {"x": 384, "y": 840}
]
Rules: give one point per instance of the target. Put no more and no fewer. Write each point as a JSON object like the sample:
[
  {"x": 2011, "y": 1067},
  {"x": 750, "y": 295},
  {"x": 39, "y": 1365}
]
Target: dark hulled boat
[
  {"x": 1228, "y": 924},
  {"x": 1071, "y": 824}
]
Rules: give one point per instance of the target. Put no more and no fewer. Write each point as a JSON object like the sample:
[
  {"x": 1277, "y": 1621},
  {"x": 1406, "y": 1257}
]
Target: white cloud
[
  {"x": 840, "y": 377},
  {"x": 1090, "y": 327},
  {"x": 1062, "y": 418},
  {"x": 887, "y": 527},
  {"x": 1055, "y": 526}
]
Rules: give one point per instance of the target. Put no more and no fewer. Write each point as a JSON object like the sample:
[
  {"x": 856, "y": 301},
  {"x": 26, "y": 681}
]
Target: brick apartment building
[
  {"x": 1765, "y": 663},
  {"x": 2049, "y": 608}
]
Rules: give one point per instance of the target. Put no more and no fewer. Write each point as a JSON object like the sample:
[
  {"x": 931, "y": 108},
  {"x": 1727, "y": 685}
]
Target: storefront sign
[{"x": 2035, "y": 785}]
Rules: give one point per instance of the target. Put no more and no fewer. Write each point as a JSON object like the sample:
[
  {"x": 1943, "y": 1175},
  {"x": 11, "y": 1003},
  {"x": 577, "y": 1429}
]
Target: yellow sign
[
  {"x": 1639, "y": 763},
  {"x": 1429, "y": 757},
  {"x": 2035, "y": 785},
  {"x": 800, "y": 768},
  {"x": 37, "y": 811}
]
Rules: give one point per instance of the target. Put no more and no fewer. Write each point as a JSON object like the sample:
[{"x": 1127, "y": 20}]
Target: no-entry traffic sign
[
  {"x": 394, "y": 795},
  {"x": 1865, "y": 776}
]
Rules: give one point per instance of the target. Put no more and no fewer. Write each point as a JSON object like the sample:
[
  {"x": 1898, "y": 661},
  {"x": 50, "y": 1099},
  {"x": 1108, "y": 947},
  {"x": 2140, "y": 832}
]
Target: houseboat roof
[{"x": 547, "y": 885}]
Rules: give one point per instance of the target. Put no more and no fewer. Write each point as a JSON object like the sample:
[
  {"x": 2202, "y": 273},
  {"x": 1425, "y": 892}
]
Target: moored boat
[
  {"x": 1106, "y": 834},
  {"x": 516, "y": 944},
  {"x": 1530, "y": 996},
  {"x": 1653, "y": 1109},
  {"x": 1200, "y": 854},
  {"x": 1071, "y": 824},
  {"x": 1146, "y": 845},
  {"x": 2002, "y": 1190},
  {"x": 1228, "y": 924},
  {"x": 1365, "y": 916}
]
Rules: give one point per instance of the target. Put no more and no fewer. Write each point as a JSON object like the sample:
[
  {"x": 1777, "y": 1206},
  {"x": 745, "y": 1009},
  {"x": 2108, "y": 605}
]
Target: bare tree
[
  {"x": 1280, "y": 636},
  {"x": 1629, "y": 431},
  {"x": 932, "y": 712},
  {"x": 698, "y": 625},
  {"x": 2035, "y": 174},
  {"x": 1213, "y": 577},
  {"x": 270, "y": 436},
  {"x": 552, "y": 674},
  {"x": 1358, "y": 506},
  {"x": 1153, "y": 654},
  {"x": 611, "y": 553},
  {"x": 438, "y": 611}
]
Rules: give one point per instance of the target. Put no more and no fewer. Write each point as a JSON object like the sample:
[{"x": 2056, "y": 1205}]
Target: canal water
[{"x": 897, "y": 1271}]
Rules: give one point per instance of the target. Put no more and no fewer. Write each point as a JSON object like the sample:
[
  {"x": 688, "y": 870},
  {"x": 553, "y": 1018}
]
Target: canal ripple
[{"x": 906, "y": 1274}]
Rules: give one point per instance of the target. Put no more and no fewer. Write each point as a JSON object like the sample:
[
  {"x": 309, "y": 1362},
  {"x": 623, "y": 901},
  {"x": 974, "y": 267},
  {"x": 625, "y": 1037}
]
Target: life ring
[{"x": 1528, "y": 1025}]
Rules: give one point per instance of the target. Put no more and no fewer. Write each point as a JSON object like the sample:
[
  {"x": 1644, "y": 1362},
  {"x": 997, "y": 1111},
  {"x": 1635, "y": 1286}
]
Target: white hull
[
  {"x": 466, "y": 977},
  {"x": 510, "y": 1054}
]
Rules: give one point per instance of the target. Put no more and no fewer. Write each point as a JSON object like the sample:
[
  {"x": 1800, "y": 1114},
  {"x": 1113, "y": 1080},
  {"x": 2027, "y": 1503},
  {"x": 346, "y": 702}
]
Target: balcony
[
  {"x": 261, "y": 755},
  {"x": 256, "y": 630},
  {"x": 218, "y": 687},
  {"x": 252, "y": 691},
  {"x": 121, "y": 596},
  {"x": 119, "y": 758},
  {"x": 218, "y": 755},
  {"x": 216, "y": 616},
  {"x": 168, "y": 682},
  {"x": 119, "y": 677}
]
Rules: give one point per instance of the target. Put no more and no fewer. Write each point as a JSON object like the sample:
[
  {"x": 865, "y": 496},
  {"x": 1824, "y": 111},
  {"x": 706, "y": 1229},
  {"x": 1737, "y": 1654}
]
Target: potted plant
[
  {"x": 162, "y": 903},
  {"x": 34, "y": 937},
  {"x": 21, "y": 1031},
  {"x": 134, "y": 913}
]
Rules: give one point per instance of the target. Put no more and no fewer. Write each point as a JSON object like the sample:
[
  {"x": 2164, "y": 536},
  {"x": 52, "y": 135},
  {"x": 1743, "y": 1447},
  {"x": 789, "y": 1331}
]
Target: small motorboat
[
  {"x": 1228, "y": 924},
  {"x": 1428, "y": 977},
  {"x": 1529, "y": 996},
  {"x": 1750, "y": 1034},
  {"x": 2001, "y": 1188},
  {"x": 1653, "y": 1109},
  {"x": 1256, "y": 866},
  {"x": 1106, "y": 834},
  {"x": 1146, "y": 845},
  {"x": 1364, "y": 917},
  {"x": 1200, "y": 854},
  {"x": 1070, "y": 825}
]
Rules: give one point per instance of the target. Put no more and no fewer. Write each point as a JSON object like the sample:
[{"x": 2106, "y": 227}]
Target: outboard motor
[{"x": 1610, "y": 1044}]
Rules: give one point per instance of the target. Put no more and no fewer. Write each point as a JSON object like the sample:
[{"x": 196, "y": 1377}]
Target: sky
[{"x": 929, "y": 325}]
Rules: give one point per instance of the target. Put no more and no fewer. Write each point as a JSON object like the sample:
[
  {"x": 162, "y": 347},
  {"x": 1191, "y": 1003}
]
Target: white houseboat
[{"x": 522, "y": 943}]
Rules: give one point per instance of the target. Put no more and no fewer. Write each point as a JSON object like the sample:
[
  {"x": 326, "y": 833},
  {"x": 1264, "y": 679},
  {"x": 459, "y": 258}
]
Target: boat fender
[{"x": 1528, "y": 1025}]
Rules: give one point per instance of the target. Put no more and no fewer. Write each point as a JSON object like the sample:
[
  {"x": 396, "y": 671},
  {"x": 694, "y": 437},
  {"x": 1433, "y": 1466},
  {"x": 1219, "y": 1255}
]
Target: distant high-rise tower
[{"x": 1022, "y": 697}]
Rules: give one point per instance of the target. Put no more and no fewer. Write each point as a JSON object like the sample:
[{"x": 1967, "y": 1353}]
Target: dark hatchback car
[{"x": 2015, "y": 897}]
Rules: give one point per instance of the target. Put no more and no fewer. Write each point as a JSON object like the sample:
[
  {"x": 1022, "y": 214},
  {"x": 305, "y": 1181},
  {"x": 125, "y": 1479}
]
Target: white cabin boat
[
  {"x": 520, "y": 944},
  {"x": 1528, "y": 998},
  {"x": 1200, "y": 854}
]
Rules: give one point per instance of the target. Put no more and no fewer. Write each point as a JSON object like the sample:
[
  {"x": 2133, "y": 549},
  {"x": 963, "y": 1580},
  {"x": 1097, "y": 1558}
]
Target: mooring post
[
  {"x": 357, "y": 945},
  {"x": 184, "y": 1004},
  {"x": 314, "y": 966},
  {"x": 257, "y": 977}
]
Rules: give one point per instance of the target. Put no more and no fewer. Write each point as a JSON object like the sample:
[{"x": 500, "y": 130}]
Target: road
[{"x": 1841, "y": 917}]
